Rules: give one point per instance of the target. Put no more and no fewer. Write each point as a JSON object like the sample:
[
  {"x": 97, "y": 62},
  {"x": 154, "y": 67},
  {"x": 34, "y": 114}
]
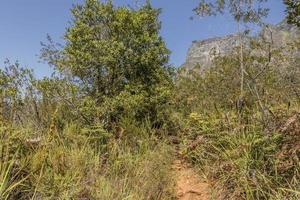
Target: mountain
[{"x": 202, "y": 52}]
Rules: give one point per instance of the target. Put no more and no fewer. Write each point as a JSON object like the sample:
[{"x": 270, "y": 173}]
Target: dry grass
[
  {"x": 88, "y": 163},
  {"x": 246, "y": 161}
]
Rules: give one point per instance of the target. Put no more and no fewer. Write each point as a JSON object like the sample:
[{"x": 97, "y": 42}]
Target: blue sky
[{"x": 24, "y": 24}]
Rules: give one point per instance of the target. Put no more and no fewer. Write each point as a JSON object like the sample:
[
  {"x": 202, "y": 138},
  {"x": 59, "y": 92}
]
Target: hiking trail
[{"x": 189, "y": 185}]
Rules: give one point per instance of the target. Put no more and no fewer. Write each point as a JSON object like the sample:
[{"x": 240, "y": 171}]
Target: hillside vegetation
[{"x": 111, "y": 119}]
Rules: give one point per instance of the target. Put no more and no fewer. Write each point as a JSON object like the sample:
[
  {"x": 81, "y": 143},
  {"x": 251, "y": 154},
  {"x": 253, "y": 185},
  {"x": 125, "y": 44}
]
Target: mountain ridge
[{"x": 202, "y": 52}]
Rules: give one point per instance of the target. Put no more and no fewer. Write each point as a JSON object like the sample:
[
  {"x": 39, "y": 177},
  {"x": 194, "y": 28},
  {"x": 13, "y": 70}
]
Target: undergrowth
[
  {"x": 67, "y": 165},
  {"x": 245, "y": 160}
]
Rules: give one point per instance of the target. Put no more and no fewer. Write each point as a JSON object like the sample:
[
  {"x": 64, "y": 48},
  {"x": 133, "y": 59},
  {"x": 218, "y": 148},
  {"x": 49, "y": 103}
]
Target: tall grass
[
  {"x": 244, "y": 160},
  {"x": 85, "y": 163}
]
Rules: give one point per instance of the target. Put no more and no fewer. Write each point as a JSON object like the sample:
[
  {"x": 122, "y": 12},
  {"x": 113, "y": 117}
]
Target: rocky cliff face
[
  {"x": 202, "y": 52},
  {"x": 280, "y": 34}
]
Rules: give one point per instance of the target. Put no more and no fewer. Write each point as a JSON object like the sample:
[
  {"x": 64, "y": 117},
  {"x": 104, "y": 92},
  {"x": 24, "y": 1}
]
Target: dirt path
[{"x": 189, "y": 184}]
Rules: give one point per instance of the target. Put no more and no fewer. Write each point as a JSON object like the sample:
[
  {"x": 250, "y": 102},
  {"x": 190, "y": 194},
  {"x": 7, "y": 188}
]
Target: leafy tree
[
  {"x": 14, "y": 80},
  {"x": 241, "y": 10},
  {"x": 293, "y": 11},
  {"x": 108, "y": 47}
]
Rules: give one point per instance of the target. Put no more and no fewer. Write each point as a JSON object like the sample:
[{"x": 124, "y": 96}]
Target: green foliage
[
  {"x": 115, "y": 62},
  {"x": 109, "y": 47},
  {"x": 13, "y": 81},
  {"x": 241, "y": 10},
  {"x": 293, "y": 11}
]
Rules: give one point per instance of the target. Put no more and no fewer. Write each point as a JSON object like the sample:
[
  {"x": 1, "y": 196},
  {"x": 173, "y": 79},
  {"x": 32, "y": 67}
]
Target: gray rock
[{"x": 203, "y": 52}]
